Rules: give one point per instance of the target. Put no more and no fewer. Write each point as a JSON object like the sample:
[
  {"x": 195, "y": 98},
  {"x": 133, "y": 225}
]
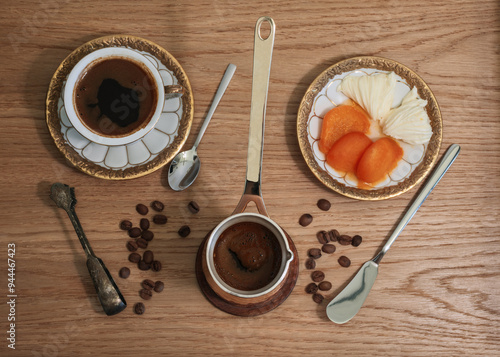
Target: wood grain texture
[{"x": 437, "y": 292}]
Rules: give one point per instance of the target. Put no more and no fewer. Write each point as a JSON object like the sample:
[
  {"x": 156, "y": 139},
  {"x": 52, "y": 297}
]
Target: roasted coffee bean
[
  {"x": 132, "y": 246},
  {"x": 325, "y": 286},
  {"x": 318, "y": 298},
  {"x": 124, "y": 272},
  {"x": 314, "y": 253},
  {"x": 193, "y": 207},
  {"x": 333, "y": 235},
  {"x": 328, "y": 248},
  {"x": 159, "y": 286},
  {"x": 310, "y": 263},
  {"x": 324, "y": 205},
  {"x": 125, "y": 225},
  {"x": 142, "y": 265},
  {"x": 344, "y": 239},
  {"x": 139, "y": 308},
  {"x": 145, "y": 294},
  {"x": 344, "y": 261},
  {"x": 157, "y": 206},
  {"x": 312, "y": 288},
  {"x": 356, "y": 240},
  {"x": 160, "y": 219},
  {"x": 184, "y": 231},
  {"x": 317, "y": 276},
  {"x": 142, "y": 209},
  {"x": 134, "y": 232},
  {"x": 134, "y": 257},
  {"x": 142, "y": 243},
  {"x": 305, "y": 219},
  {"x": 156, "y": 265},
  {"x": 322, "y": 237},
  {"x": 147, "y": 236},
  {"x": 148, "y": 256},
  {"x": 144, "y": 224},
  {"x": 148, "y": 284}
]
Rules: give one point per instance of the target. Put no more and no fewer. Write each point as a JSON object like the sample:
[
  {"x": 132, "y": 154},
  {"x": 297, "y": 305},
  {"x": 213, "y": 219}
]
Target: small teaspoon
[{"x": 185, "y": 166}]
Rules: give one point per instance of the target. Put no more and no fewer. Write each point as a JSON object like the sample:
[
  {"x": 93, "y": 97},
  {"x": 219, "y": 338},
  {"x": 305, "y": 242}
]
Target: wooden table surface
[{"x": 438, "y": 290}]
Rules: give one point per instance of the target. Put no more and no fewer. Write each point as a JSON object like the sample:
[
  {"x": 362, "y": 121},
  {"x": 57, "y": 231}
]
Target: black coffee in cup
[
  {"x": 115, "y": 96},
  {"x": 247, "y": 256}
]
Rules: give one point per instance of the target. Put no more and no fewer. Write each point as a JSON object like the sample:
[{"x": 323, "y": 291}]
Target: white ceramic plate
[{"x": 322, "y": 96}]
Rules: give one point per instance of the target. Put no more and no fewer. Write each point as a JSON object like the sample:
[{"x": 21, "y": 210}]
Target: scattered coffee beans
[
  {"x": 324, "y": 205},
  {"x": 326, "y": 239},
  {"x": 311, "y": 288},
  {"x": 157, "y": 206},
  {"x": 148, "y": 284},
  {"x": 322, "y": 237},
  {"x": 344, "y": 261},
  {"x": 160, "y": 219},
  {"x": 145, "y": 294},
  {"x": 356, "y": 240},
  {"x": 310, "y": 263},
  {"x": 305, "y": 219},
  {"x": 193, "y": 207},
  {"x": 318, "y": 298},
  {"x": 144, "y": 224},
  {"x": 314, "y": 253},
  {"x": 134, "y": 257},
  {"x": 142, "y": 243},
  {"x": 325, "y": 286},
  {"x": 147, "y": 235},
  {"x": 125, "y": 225},
  {"x": 317, "y": 276},
  {"x": 139, "y": 308},
  {"x": 328, "y": 248},
  {"x": 132, "y": 246},
  {"x": 156, "y": 265},
  {"x": 142, "y": 265},
  {"x": 159, "y": 286},
  {"x": 141, "y": 209},
  {"x": 148, "y": 257},
  {"x": 134, "y": 232},
  {"x": 344, "y": 239},
  {"x": 184, "y": 231},
  {"x": 124, "y": 272}
]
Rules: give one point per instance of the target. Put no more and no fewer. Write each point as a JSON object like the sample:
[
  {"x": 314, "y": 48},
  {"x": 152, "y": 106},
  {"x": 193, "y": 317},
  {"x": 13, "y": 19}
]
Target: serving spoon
[
  {"x": 348, "y": 302},
  {"x": 186, "y": 165},
  {"x": 109, "y": 295}
]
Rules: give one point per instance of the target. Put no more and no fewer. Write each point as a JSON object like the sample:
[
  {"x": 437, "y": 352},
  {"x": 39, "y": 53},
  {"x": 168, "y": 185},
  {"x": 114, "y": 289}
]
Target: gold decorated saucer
[
  {"x": 151, "y": 152},
  {"x": 322, "y": 95}
]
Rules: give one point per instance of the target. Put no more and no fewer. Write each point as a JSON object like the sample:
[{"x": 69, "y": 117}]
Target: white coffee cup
[{"x": 164, "y": 92}]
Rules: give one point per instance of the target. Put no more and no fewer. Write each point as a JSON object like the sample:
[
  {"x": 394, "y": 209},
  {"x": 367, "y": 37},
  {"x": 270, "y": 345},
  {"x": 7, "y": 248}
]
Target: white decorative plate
[
  {"x": 145, "y": 155},
  {"x": 322, "y": 96}
]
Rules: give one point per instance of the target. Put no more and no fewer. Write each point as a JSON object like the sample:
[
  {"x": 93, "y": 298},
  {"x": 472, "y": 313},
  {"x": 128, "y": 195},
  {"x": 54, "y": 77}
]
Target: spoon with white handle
[
  {"x": 348, "y": 302},
  {"x": 186, "y": 165}
]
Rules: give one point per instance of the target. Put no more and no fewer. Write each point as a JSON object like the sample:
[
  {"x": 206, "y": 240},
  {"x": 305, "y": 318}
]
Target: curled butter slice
[
  {"x": 374, "y": 93},
  {"x": 409, "y": 122}
]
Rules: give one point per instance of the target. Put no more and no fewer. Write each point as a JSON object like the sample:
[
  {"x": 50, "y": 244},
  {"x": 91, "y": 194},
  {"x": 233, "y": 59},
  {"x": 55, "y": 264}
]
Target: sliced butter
[{"x": 409, "y": 122}]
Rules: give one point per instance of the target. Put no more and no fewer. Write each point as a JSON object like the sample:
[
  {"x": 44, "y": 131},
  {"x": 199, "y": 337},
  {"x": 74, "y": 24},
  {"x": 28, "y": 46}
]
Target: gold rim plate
[
  {"x": 322, "y": 96},
  {"x": 155, "y": 159}
]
